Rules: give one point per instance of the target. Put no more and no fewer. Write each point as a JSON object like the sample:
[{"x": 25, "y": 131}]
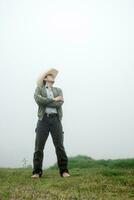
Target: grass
[{"x": 100, "y": 180}]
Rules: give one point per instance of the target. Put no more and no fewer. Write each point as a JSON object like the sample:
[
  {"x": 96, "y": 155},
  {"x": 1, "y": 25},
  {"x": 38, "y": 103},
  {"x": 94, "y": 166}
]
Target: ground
[{"x": 95, "y": 183}]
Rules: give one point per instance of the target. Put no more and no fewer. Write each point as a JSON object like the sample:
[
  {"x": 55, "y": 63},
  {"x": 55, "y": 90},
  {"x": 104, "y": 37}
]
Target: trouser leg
[
  {"x": 57, "y": 137},
  {"x": 42, "y": 132}
]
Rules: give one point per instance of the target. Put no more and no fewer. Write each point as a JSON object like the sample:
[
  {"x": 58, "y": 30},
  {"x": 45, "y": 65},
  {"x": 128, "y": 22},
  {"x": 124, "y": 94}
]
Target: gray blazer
[{"x": 43, "y": 101}]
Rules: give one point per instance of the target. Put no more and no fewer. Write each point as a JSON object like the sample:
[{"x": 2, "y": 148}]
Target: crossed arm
[{"x": 52, "y": 103}]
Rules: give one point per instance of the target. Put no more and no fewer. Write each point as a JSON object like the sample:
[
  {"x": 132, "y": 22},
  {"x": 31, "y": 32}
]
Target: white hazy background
[{"x": 91, "y": 43}]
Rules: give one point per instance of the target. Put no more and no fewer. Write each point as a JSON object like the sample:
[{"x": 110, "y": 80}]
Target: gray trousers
[{"x": 47, "y": 125}]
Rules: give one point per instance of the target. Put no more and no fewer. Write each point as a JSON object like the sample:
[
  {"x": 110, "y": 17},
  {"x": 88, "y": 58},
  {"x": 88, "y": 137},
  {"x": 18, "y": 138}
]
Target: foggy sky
[{"x": 91, "y": 43}]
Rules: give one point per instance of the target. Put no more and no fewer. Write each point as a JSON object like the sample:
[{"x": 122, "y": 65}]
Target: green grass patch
[{"x": 90, "y": 180}]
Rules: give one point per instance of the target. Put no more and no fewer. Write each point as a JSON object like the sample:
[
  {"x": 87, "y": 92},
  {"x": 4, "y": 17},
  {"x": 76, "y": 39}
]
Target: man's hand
[{"x": 59, "y": 98}]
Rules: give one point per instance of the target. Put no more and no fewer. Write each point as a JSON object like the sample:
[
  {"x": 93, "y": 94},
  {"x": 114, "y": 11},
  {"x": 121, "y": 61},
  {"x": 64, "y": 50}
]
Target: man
[{"x": 50, "y": 101}]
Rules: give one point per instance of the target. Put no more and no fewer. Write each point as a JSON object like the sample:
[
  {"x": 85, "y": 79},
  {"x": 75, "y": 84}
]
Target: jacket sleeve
[
  {"x": 57, "y": 104},
  {"x": 40, "y": 100}
]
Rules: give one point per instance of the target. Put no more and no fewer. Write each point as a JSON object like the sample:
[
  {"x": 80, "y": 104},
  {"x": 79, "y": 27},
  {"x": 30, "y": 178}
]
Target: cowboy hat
[{"x": 51, "y": 71}]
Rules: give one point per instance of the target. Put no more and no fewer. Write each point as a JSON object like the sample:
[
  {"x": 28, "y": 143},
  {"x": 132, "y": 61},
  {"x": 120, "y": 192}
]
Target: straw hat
[{"x": 51, "y": 71}]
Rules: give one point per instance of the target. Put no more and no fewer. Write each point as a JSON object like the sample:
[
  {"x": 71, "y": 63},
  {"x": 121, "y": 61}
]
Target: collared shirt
[{"x": 50, "y": 95}]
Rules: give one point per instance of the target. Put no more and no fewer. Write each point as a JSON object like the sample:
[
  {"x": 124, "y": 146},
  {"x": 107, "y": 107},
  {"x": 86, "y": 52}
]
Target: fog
[{"x": 91, "y": 43}]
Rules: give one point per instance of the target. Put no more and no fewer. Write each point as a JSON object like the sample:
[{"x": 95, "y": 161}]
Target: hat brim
[{"x": 51, "y": 71}]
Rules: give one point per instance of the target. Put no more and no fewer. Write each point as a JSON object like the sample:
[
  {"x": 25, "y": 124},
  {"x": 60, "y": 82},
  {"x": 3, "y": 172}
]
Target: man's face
[{"x": 49, "y": 78}]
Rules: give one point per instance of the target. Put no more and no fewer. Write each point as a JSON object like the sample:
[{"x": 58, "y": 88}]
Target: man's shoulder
[
  {"x": 40, "y": 87},
  {"x": 57, "y": 88}
]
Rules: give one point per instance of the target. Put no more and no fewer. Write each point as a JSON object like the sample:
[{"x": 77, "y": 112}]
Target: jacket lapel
[
  {"x": 54, "y": 91},
  {"x": 44, "y": 92}
]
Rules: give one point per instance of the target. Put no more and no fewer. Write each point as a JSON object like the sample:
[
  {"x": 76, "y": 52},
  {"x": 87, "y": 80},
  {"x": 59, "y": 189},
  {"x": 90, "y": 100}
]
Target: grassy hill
[
  {"x": 88, "y": 162},
  {"x": 90, "y": 180}
]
